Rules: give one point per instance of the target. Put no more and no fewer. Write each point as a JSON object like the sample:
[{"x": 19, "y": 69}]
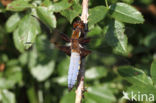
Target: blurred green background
[{"x": 123, "y": 48}]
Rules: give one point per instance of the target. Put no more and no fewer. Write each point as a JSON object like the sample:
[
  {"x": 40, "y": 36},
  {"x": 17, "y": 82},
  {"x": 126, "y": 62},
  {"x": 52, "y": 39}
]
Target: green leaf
[
  {"x": 26, "y": 33},
  {"x": 2, "y": 34},
  {"x": 96, "y": 14},
  {"x": 42, "y": 72},
  {"x": 142, "y": 84},
  {"x": 148, "y": 90},
  {"x": 99, "y": 94},
  {"x": 12, "y": 62},
  {"x": 38, "y": 56},
  {"x": 7, "y": 96},
  {"x": 2, "y": 8},
  {"x": 46, "y": 3},
  {"x": 12, "y": 76},
  {"x": 95, "y": 31},
  {"x": 12, "y": 22},
  {"x": 68, "y": 97},
  {"x": 96, "y": 72},
  {"x": 128, "y": 1},
  {"x": 70, "y": 14},
  {"x": 63, "y": 67},
  {"x": 23, "y": 59},
  {"x": 115, "y": 36},
  {"x": 62, "y": 80},
  {"x": 76, "y": 1},
  {"x": 146, "y": 2},
  {"x": 153, "y": 71},
  {"x": 41, "y": 58},
  {"x": 4, "y": 58},
  {"x": 46, "y": 16},
  {"x": 126, "y": 13},
  {"x": 109, "y": 60},
  {"x": 32, "y": 95},
  {"x": 62, "y": 70},
  {"x": 150, "y": 39},
  {"x": 18, "y": 5},
  {"x": 135, "y": 76},
  {"x": 57, "y": 7}
]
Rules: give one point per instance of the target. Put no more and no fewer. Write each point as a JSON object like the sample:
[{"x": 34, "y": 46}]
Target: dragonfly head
[{"x": 78, "y": 25}]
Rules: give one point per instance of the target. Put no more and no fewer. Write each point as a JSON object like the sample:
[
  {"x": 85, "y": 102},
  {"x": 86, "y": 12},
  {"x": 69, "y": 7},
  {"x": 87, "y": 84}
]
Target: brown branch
[{"x": 80, "y": 88}]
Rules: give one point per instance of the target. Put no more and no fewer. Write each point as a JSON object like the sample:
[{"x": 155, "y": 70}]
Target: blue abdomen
[{"x": 73, "y": 69}]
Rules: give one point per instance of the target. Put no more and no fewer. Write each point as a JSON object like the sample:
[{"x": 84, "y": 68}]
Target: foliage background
[{"x": 123, "y": 45}]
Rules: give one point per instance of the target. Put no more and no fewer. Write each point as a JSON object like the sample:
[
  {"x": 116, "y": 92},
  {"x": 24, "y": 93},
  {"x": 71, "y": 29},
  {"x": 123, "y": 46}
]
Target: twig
[
  {"x": 84, "y": 15},
  {"x": 80, "y": 88}
]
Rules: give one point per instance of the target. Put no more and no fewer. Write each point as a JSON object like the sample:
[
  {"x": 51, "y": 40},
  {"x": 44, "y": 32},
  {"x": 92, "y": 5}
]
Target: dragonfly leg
[
  {"x": 84, "y": 52},
  {"x": 65, "y": 37}
]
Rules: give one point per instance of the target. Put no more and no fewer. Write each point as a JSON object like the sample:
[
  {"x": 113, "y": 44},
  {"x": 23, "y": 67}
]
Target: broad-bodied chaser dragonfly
[{"x": 75, "y": 50}]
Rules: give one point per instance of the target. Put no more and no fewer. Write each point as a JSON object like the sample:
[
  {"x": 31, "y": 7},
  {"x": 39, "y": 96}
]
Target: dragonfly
[{"x": 75, "y": 50}]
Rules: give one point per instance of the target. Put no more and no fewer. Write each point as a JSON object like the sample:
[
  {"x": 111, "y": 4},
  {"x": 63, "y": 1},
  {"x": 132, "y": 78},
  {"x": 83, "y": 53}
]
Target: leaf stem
[{"x": 106, "y": 2}]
